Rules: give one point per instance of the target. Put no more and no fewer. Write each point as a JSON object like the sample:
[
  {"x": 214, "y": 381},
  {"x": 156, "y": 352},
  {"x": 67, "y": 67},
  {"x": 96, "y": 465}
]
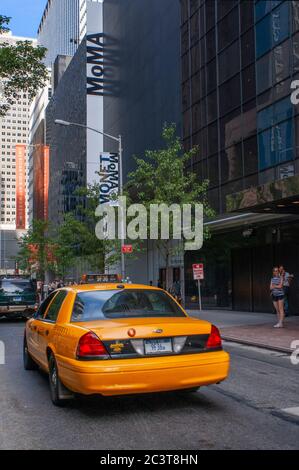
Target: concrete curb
[{"x": 233, "y": 339}]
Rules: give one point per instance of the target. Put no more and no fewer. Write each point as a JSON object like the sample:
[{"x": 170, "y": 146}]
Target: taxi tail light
[
  {"x": 91, "y": 347},
  {"x": 214, "y": 340}
]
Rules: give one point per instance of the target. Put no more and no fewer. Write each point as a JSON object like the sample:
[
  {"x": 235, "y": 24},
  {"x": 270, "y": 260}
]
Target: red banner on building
[
  {"x": 46, "y": 180},
  {"x": 20, "y": 186}
]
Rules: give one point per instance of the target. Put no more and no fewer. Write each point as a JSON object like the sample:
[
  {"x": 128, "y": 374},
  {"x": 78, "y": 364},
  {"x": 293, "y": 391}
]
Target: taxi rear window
[{"x": 127, "y": 303}]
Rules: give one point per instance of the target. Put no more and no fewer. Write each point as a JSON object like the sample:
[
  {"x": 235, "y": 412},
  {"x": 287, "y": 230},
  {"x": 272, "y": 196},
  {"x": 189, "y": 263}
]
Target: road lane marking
[{"x": 294, "y": 411}]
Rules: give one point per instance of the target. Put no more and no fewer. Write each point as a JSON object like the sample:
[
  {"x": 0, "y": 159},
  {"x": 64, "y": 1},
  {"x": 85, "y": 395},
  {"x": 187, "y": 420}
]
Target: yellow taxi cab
[{"x": 117, "y": 339}]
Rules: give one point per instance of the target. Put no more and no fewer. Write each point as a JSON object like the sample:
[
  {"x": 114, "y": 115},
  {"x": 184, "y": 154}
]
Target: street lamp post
[{"x": 120, "y": 152}]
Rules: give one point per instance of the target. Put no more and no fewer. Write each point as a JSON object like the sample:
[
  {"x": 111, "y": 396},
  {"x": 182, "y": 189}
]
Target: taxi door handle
[{"x": 47, "y": 332}]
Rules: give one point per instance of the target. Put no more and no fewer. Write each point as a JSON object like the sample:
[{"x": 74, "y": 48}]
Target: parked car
[
  {"x": 18, "y": 297},
  {"x": 116, "y": 339}
]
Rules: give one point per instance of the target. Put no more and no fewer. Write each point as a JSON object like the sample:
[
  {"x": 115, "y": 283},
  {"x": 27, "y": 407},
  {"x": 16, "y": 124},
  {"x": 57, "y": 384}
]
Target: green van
[{"x": 18, "y": 297}]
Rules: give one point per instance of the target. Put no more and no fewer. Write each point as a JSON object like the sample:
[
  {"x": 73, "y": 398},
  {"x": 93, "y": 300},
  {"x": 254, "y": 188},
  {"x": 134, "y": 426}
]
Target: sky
[{"x": 25, "y": 14}]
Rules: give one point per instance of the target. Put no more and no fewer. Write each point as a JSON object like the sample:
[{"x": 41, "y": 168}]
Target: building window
[
  {"x": 228, "y": 28},
  {"x": 280, "y": 23},
  {"x": 280, "y": 111},
  {"x": 262, "y": 8},
  {"x": 250, "y": 156},
  {"x": 264, "y": 73},
  {"x": 211, "y": 76},
  {"x": 247, "y": 14},
  {"x": 213, "y": 171},
  {"x": 231, "y": 163},
  {"x": 248, "y": 83},
  {"x": 230, "y": 95},
  {"x": 263, "y": 36},
  {"x": 229, "y": 62},
  {"x": 276, "y": 144},
  {"x": 272, "y": 29}
]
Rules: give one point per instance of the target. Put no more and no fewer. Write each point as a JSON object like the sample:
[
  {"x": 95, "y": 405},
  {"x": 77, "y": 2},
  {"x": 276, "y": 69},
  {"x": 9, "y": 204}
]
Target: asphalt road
[{"x": 245, "y": 412}]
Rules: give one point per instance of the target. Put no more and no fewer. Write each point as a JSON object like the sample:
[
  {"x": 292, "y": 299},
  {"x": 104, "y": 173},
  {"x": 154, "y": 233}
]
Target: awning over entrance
[{"x": 280, "y": 197}]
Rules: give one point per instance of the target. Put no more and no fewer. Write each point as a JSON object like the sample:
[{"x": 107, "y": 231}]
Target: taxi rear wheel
[
  {"x": 29, "y": 363},
  {"x": 59, "y": 394}
]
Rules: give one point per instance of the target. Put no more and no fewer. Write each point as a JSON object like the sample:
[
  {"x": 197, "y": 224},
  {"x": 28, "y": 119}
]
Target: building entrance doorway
[{"x": 251, "y": 274}]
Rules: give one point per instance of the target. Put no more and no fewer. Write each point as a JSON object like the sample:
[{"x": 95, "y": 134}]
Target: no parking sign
[{"x": 198, "y": 275}]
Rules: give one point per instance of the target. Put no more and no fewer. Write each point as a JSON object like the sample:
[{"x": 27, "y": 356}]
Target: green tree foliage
[
  {"x": 160, "y": 177},
  {"x": 98, "y": 253},
  {"x": 36, "y": 250},
  {"x": 58, "y": 249},
  {"x": 21, "y": 69}
]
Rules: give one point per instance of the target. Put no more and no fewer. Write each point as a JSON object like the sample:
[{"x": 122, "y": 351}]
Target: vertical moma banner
[
  {"x": 20, "y": 186},
  {"x": 109, "y": 176},
  {"x": 94, "y": 87},
  {"x": 46, "y": 180}
]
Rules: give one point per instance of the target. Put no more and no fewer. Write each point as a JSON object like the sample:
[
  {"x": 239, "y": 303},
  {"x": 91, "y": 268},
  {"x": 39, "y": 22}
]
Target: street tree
[
  {"x": 75, "y": 237},
  {"x": 21, "y": 69},
  {"x": 161, "y": 178},
  {"x": 36, "y": 250}
]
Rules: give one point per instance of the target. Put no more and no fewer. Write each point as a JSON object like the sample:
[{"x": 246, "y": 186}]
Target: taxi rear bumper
[{"x": 143, "y": 374}]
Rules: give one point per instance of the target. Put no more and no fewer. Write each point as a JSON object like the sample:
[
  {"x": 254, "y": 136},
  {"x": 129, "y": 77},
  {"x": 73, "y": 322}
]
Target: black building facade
[
  {"x": 67, "y": 144},
  {"x": 143, "y": 38},
  {"x": 239, "y": 58},
  {"x": 146, "y": 37}
]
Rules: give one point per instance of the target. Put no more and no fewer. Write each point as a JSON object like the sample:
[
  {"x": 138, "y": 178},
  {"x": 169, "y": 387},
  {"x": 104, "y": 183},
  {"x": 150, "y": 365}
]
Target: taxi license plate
[
  {"x": 158, "y": 346},
  {"x": 17, "y": 299}
]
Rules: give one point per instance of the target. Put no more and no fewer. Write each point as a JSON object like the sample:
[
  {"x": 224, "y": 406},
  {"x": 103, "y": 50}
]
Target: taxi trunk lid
[{"x": 109, "y": 330}]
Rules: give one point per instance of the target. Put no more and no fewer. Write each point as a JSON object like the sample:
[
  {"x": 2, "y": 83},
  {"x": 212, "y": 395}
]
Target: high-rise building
[
  {"x": 145, "y": 80},
  {"x": 137, "y": 91},
  {"x": 83, "y": 17},
  {"x": 145, "y": 45},
  {"x": 14, "y": 129},
  {"x": 238, "y": 61},
  {"x": 74, "y": 152},
  {"x": 59, "y": 29},
  {"x": 38, "y": 160},
  {"x": 62, "y": 27}
]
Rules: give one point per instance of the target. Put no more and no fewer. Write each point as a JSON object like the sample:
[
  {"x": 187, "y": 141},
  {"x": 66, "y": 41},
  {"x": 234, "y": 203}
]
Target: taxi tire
[
  {"x": 28, "y": 362},
  {"x": 56, "y": 387}
]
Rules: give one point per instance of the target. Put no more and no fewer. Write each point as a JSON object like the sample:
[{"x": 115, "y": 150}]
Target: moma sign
[
  {"x": 95, "y": 64},
  {"x": 101, "y": 62},
  {"x": 94, "y": 87},
  {"x": 109, "y": 176}
]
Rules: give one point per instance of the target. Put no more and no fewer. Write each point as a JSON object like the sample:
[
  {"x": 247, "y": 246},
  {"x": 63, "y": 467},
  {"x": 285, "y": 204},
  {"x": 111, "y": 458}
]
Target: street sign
[
  {"x": 198, "y": 275},
  {"x": 198, "y": 272},
  {"x": 127, "y": 249}
]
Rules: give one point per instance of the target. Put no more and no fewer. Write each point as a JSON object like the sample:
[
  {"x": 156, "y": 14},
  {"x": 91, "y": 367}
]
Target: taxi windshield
[{"x": 127, "y": 303}]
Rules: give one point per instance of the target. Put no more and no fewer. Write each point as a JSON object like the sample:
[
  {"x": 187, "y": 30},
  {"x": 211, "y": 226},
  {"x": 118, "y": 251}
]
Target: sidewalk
[{"x": 255, "y": 329}]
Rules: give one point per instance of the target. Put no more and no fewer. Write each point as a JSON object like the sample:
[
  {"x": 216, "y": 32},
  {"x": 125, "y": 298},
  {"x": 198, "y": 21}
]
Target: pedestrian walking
[
  {"x": 287, "y": 279},
  {"x": 39, "y": 289},
  {"x": 176, "y": 291},
  {"x": 277, "y": 294}
]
